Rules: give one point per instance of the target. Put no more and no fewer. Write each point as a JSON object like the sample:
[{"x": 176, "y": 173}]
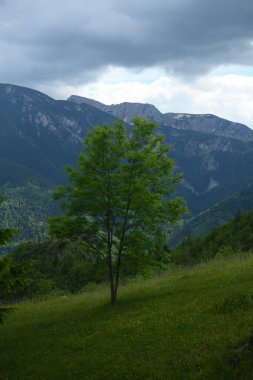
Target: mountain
[
  {"x": 214, "y": 167},
  {"x": 210, "y": 124},
  {"x": 40, "y": 135},
  {"x": 215, "y": 155}
]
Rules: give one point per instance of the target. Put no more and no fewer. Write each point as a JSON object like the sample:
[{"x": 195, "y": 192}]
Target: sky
[{"x": 192, "y": 56}]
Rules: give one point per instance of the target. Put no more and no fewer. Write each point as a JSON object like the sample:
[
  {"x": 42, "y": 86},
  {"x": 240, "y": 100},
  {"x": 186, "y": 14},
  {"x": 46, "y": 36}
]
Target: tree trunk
[
  {"x": 113, "y": 296},
  {"x": 113, "y": 286},
  {"x": 114, "y": 291},
  {"x": 117, "y": 274}
]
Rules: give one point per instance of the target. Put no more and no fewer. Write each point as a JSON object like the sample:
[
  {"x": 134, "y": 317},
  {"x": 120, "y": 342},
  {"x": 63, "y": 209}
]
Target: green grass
[{"x": 183, "y": 325}]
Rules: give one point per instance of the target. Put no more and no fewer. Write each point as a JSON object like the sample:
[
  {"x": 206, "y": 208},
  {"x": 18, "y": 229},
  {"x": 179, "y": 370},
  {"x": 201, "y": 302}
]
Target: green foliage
[
  {"x": 3, "y": 312},
  {"x": 71, "y": 266},
  {"x": 162, "y": 328},
  {"x": 13, "y": 277},
  {"x": 57, "y": 266},
  {"x": 6, "y": 234},
  {"x": 13, "y": 280},
  {"x": 119, "y": 200},
  {"x": 229, "y": 239},
  {"x": 26, "y": 210}
]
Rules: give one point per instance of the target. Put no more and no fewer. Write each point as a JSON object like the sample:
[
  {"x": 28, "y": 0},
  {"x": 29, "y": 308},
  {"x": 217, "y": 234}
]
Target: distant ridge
[{"x": 205, "y": 123}]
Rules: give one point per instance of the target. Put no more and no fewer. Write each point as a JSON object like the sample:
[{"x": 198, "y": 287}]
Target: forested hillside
[
  {"x": 220, "y": 213},
  {"x": 27, "y": 209},
  {"x": 233, "y": 237}
]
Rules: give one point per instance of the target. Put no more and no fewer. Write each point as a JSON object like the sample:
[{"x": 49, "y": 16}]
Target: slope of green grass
[{"x": 183, "y": 325}]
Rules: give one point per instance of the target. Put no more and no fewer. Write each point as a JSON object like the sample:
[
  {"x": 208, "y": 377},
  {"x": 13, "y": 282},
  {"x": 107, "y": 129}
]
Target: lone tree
[{"x": 118, "y": 201}]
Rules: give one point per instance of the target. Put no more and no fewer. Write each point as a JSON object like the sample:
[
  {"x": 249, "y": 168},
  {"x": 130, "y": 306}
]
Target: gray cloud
[{"x": 71, "y": 42}]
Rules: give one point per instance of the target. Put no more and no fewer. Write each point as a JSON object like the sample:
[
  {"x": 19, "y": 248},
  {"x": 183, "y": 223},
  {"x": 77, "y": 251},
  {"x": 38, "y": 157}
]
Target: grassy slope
[{"x": 163, "y": 328}]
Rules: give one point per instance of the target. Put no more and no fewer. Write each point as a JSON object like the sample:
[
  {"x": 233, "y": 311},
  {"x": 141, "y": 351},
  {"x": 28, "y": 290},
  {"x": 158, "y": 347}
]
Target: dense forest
[{"x": 26, "y": 209}]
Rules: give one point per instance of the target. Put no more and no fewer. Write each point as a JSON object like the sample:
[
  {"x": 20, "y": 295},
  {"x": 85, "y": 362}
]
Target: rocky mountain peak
[
  {"x": 18, "y": 94},
  {"x": 126, "y": 110},
  {"x": 205, "y": 123}
]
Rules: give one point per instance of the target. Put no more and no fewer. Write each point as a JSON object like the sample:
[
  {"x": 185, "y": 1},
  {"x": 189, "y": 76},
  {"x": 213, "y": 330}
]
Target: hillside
[
  {"x": 27, "y": 209},
  {"x": 233, "y": 236},
  {"x": 38, "y": 137},
  {"x": 220, "y": 213},
  {"x": 183, "y": 325},
  {"x": 41, "y": 134},
  {"x": 214, "y": 167}
]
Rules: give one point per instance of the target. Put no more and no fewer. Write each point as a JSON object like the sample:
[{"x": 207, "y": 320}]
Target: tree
[
  {"x": 6, "y": 235},
  {"x": 118, "y": 201}
]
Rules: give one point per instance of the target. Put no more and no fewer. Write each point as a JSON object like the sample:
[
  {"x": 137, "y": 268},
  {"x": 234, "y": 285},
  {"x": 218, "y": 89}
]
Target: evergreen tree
[
  {"x": 6, "y": 234},
  {"x": 13, "y": 276}
]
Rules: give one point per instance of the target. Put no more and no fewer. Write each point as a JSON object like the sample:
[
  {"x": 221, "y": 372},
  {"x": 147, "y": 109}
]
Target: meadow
[{"x": 183, "y": 324}]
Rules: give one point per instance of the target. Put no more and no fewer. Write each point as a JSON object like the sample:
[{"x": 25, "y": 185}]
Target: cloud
[{"x": 74, "y": 42}]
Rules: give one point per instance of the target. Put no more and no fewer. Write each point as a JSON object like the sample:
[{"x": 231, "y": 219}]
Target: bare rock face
[
  {"x": 126, "y": 110},
  {"x": 210, "y": 124}
]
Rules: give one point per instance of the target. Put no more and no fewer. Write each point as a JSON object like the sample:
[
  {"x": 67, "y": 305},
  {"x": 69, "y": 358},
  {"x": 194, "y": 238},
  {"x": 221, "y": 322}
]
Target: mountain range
[
  {"x": 210, "y": 124},
  {"x": 40, "y": 135},
  {"x": 214, "y": 154}
]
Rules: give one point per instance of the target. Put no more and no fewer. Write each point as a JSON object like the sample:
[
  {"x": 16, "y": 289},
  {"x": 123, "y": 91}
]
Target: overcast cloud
[
  {"x": 66, "y": 40},
  {"x": 71, "y": 43}
]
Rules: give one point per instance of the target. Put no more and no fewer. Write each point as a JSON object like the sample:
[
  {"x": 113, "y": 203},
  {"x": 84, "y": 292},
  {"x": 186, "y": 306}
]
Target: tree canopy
[{"x": 119, "y": 199}]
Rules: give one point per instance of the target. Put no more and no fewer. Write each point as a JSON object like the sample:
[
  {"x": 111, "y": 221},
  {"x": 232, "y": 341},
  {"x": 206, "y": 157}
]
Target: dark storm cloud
[{"x": 71, "y": 41}]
